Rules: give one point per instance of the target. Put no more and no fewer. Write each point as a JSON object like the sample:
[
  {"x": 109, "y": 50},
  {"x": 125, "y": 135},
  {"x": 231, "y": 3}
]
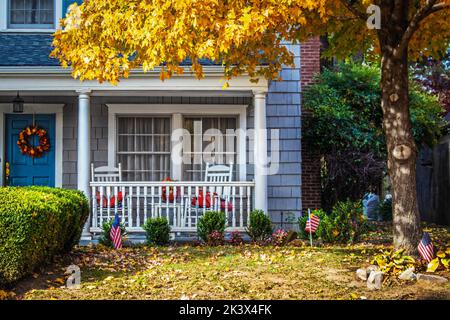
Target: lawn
[{"x": 224, "y": 272}]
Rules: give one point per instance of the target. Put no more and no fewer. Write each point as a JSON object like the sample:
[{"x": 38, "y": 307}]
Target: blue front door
[{"x": 23, "y": 169}]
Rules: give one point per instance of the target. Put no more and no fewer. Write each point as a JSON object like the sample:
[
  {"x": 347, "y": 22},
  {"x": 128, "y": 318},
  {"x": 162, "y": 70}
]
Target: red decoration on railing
[
  {"x": 112, "y": 200},
  {"x": 202, "y": 201},
  {"x": 171, "y": 192}
]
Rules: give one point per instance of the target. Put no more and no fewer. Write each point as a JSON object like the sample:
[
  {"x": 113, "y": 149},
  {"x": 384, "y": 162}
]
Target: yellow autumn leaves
[{"x": 105, "y": 39}]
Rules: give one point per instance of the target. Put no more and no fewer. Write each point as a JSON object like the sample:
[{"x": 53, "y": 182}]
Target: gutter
[{"x": 57, "y": 70}]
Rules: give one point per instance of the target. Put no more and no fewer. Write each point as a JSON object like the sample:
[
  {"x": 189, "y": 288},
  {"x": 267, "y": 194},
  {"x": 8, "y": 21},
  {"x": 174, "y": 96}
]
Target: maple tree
[{"x": 106, "y": 39}]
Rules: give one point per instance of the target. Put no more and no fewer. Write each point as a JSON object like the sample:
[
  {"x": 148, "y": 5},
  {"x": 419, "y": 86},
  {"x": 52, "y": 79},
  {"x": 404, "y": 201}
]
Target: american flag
[
  {"x": 312, "y": 223},
  {"x": 426, "y": 249},
  {"x": 115, "y": 235}
]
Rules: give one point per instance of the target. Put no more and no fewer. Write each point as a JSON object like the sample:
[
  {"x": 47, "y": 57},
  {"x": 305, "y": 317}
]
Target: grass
[{"x": 224, "y": 272}]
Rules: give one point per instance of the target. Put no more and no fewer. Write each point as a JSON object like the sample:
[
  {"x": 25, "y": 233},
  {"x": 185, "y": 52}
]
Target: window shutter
[{"x": 66, "y": 4}]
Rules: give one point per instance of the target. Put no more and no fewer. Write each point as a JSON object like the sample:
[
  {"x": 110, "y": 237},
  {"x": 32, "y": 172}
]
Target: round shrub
[
  {"x": 105, "y": 237},
  {"x": 215, "y": 238},
  {"x": 236, "y": 238},
  {"x": 209, "y": 222},
  {"x": 36, "y": 223},
  {"x": 260, "y": 226},
  {"x": 157, "y": 230}
]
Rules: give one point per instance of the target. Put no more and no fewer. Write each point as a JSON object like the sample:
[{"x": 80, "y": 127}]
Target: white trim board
[
  {"x": 30, "y": 108},
  {"x": 177, "y": 111},
  {"x": 214, "y": 81}
]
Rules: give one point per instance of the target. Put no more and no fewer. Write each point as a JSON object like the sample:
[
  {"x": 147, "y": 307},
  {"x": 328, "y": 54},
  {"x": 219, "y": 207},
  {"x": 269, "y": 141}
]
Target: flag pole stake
[{"x": 310, "y": 233}]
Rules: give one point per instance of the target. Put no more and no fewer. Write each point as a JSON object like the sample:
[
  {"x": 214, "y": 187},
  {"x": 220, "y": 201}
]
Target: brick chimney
[{"x": 310, "y": 65}]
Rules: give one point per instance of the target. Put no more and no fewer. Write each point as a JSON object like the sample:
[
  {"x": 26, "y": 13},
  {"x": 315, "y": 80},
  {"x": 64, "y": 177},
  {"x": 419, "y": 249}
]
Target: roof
[{"x": 33, "y": 50}]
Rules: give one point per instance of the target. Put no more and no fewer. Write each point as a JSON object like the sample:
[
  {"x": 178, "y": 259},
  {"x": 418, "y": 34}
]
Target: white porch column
[
  {"x": 84, "y": 149},
  {"x": 260, "y": 152}
]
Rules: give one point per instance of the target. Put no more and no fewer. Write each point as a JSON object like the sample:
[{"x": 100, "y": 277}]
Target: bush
[
  {"x": 279, "y": 237},
  {"x": 36, "y": 223},
  {"x": 236, "y": 238},
  {"x": 105, "y": 237},
  {"x": 157, "y": 230},
  {"x": 209, "y": 222},
  {"x": 215, "y": 238},
  {"x": 349, "y": 221},
  {"x": 345, "y": 224},
  {"x": 260, "y": 226}
]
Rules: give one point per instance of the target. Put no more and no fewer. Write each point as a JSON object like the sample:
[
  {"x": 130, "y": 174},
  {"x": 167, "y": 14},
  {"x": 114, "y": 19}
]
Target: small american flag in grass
[
  {"x": 312, "y": 223},
  {"x": 426, "y": 249},
  {"x": 115, "y": 234}
]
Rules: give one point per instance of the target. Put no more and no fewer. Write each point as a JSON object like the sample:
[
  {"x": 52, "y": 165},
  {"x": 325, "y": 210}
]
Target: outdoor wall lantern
[{"x": 18, "y": 104}]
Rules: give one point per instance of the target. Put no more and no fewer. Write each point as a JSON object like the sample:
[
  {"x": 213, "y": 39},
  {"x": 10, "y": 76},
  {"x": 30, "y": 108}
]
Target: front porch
[
  {"x": 135, "y": 124},
  {"x": 181, "y": 203}
]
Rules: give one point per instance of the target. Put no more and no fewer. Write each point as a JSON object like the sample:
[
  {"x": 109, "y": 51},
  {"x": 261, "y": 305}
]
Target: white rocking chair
[
  {"x": 108, "y": 174},
  {"x": 213, "y": 173}
]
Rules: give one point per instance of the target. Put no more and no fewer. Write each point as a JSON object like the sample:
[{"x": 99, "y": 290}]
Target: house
[{"x": 134, "y": 123}]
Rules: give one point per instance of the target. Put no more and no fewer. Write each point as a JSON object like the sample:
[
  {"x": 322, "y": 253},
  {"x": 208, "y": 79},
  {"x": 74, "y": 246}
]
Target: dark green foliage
[
  {"x": 209, "y": 222},
  {"x": 36, "y": 223},
  {"x": 105, "y": 238},
  {"x": 346, "y": 129},
  {"x": 157, "y": 230},
  {"x": 386, "y": 210},
  {"x": 260, "y": 227},
  {"x": 345, "y": 224}
]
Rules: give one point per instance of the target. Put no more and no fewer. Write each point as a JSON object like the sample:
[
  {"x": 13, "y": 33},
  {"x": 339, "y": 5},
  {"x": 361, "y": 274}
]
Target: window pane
[
  {"x": 144, "y": 148},
  {"x": 46, "y": 4},
  {"x": 46, "y": 17},
  {"x": 17, "y": 17},
  {"x": 31, "y": 17},
  {"x": 31, "y": 4},
  {"x": 31, "y": 12},
  {"x": 213, "y": 129},
  {"x": 17, "y": 4}
]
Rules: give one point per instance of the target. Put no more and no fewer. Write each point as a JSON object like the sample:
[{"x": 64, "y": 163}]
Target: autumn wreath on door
[{"x": 25, "y": 145}]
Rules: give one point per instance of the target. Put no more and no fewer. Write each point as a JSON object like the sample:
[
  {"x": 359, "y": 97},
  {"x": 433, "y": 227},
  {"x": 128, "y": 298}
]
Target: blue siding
[
  {"x": 26, "y": 50},
  {"x": 284, "y": 113}
]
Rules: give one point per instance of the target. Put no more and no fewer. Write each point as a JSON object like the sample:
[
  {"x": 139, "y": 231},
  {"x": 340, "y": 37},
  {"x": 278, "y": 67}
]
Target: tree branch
[
  {"x": 349, "y": 5},
  {"x": 429, "y": 8}
]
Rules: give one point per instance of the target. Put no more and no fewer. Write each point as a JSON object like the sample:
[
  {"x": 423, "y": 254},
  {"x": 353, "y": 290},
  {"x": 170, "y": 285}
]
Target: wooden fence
[{"x": 433, "y": 183}]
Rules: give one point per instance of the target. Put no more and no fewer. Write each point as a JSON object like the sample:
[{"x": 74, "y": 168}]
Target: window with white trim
[
  {"x": 31, "y": 14},
  {"x": 143, "y": 147},
  {"x": 207, "y": 128}
]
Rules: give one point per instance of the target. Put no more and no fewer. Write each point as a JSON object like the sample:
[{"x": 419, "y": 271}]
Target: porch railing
[{"x": 181, "y": 203}]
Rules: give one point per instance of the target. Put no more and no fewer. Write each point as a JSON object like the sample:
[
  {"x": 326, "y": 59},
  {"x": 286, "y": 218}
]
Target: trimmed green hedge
[{"x": 35, "y": 224}]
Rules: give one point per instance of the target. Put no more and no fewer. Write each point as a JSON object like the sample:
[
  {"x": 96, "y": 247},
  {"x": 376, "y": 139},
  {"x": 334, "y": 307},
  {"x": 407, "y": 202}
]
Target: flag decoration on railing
[
  {"x": 115, "y": 234},
  {"x": 312, "y": 223},
  {"x": 426, "y": 248}
]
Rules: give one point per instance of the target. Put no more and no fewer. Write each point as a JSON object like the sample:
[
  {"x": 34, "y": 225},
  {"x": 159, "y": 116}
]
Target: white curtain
[{"x": 144, "y": 148}]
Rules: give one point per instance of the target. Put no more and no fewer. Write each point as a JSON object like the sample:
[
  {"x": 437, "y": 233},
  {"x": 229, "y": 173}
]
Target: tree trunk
[{"x": 402, "y": 151}]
